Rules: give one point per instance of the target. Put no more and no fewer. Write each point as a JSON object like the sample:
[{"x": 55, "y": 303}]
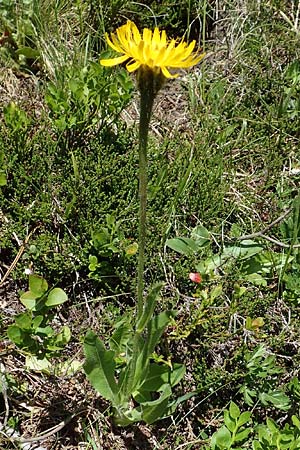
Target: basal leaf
[
  {"x": 158, "y": 375},
  {"x": 121, "y": 336},
  {"x": 201, "y": 236},
  {"x": 245, "y": 250},
  {"x": 155, "y": 410},
  {"x": 100, "y": 367}
]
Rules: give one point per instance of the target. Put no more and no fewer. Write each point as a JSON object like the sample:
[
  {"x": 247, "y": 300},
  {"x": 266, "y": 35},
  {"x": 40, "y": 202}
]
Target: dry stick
[
  {"x": 19, "y": 254},
  {"x": 4, "y": 393},
  {"x": 48, "y": 433},
  {"x": 268, "y": 238}
]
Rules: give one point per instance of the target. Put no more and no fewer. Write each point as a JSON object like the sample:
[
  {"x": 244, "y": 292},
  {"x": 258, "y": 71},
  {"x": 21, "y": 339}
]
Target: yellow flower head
[{"x": 151, "y": 49}]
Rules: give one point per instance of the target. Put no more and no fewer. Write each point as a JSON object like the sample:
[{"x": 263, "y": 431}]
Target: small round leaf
[
  {"x": 37, "y": 285},
  {"x": 56, "y": 297}
]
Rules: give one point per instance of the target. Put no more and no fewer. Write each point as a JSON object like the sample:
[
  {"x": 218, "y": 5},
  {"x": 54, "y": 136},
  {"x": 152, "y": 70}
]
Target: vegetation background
[{"x": 224, "y": 171}]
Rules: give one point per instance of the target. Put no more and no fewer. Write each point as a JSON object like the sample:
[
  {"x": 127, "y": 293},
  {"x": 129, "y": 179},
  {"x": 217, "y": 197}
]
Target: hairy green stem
[
  {"x": 149, "y": 84},
  {"x": 146, "y": 103}
]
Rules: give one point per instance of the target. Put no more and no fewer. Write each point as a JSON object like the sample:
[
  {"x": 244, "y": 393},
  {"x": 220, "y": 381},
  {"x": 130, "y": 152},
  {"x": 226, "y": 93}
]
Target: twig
[
  {"x": 18, "y": 256},
  {"x": 47, "y": 433},
  {"x": 261, "y": 233},
  {"x": 4, "y": 393}
]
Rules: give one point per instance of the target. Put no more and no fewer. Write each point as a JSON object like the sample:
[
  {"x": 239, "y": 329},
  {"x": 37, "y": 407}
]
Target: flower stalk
[
  {"x": 146, "y": 104},
  {"x": 149, "y": 84}
]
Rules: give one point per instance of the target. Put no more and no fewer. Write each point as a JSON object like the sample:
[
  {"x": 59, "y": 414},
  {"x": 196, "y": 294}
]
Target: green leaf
[
  {"x": 272, "y": 425},
  {"x": 121, "y": 336},
  {"x": 37, "y": 322},
  {"x": 150, "y": 303},
  {"x": 122, "y": 417},
  {"x": 100, "y": 367},
  {"x": 158, "y": 375},
  {"x": 60, "y": 340},
  {"x": 201, "y": 236},
  {"x": 244, "y": 418},
  {"x": 221, "y": 439},
  {"x": 134, "y": 373},
  {"x": 242, "y": 435},
  {"x": 63, "y": 337},
  {"x": 37, "y": 285},
  {"x": 28, "y": 299},
  {"x": 276, "y": 398},
  {"x": 216, "y": 292},
  {"x": 15, "y": 334},
  {"x": 296, "y": 421},
  {"x": 229, "y": 421},
  {"x": 177, "y": 373},
  {"x": 93, "y": 263},
  {"x": 182, "y": 245},
  {"x": 24, "y": 321},
  {"x": 46, "y": 331},
  {"x": 249, "y": 395},
  {"x": 155, "y": 410},
  {"x": 56, "y": 297},
  {"x": 245, "y": 250},
  {"x": 3, "y": 180},
  {"x": 183, "y": 398},
  {"x": 156, "y": 327},
  {"x": 234, "y": 410},
  {"x": 256, "y": 278},
  {"x": 210, "y": 264},
  {"x": 28, "y": 52},
  {"x": 259, "y": 352}
]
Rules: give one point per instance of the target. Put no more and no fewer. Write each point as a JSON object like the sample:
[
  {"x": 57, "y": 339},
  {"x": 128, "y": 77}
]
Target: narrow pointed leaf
[
  {"x": 150, "y": 303},
  {"x": 155, "y": 329}
]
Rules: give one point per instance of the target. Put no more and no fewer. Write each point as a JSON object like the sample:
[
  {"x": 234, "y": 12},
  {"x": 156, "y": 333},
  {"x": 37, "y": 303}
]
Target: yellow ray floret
[{"x": 150, "y": 49}]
